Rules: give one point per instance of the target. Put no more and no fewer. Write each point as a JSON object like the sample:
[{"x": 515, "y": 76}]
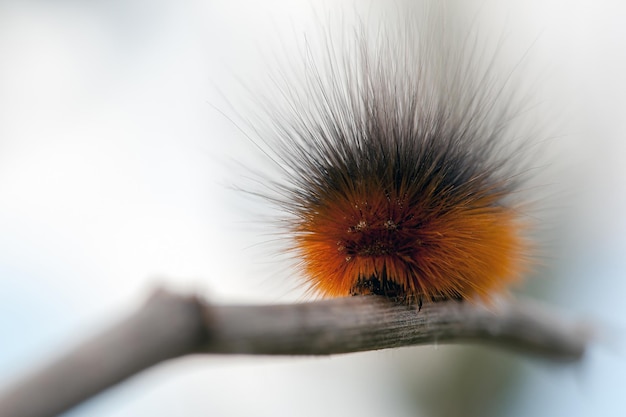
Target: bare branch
[{"x": 171, "y": 325}]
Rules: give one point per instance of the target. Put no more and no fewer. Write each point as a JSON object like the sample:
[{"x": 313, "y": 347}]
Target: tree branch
[{"x": 171, "y": 325}]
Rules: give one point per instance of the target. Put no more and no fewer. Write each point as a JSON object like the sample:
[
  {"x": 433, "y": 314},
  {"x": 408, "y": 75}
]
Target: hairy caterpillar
[{"x": 399, "y": 172}]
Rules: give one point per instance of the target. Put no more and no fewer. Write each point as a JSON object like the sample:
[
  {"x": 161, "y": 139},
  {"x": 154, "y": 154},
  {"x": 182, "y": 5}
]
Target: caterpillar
[{"x": 399, "y": 165}]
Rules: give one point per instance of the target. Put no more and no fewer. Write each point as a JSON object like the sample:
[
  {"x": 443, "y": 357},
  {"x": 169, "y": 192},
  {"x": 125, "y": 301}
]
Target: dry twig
[{"x": 171, "y": 325}]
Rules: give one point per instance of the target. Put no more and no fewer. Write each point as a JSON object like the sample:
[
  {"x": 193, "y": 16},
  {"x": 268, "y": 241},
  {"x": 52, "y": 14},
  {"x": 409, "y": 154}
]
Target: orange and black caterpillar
[{"x": 398, "y": 171}]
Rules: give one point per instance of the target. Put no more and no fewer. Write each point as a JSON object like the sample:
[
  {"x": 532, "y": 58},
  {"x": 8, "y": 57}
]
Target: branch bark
[{"x": 169, "y": 325}]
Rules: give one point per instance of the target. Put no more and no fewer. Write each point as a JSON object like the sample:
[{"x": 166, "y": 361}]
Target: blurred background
[{"x": 117, "y": 168}]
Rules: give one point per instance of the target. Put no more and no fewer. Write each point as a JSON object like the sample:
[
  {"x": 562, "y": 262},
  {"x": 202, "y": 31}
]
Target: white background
[{"x": 116, "y": 172}]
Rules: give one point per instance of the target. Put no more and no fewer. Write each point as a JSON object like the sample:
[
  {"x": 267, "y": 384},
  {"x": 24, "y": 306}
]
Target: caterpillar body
[{"x": 399, "y": 172}]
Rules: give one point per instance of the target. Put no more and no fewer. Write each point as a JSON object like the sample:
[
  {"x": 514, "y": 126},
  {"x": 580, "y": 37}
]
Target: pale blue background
[{"x": 115, "y": 169}]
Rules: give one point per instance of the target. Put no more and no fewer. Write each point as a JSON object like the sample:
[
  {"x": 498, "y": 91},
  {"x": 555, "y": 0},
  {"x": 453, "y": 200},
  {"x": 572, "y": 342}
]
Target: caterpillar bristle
[{"x": 399, "y": 173}]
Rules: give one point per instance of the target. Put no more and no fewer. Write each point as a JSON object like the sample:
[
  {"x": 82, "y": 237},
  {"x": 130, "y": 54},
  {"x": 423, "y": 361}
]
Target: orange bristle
[
  {"x": 398, "y": 178},
  {"x": 379, "y": 243}
]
